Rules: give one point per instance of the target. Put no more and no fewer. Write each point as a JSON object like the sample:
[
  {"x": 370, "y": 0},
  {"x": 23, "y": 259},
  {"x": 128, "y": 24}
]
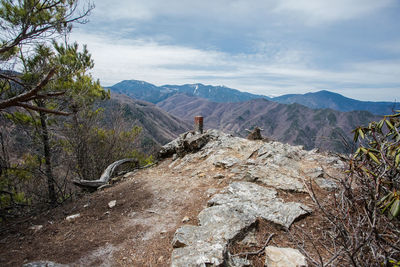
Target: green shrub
[{"x": 378, "y": 158}]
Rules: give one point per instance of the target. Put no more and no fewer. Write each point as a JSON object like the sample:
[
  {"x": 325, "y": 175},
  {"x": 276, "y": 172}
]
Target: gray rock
[
  {"x": 251, "y": 162},
  {"x": 36, "y": 227},
  {"x": 72, "y": 217},
  {"x": 200, "y": 254},
  {"x": 249, "y": 239},
  {"x": 278, "y": 177},
  {"x": 185, "y": 236},
  {"x": 230, "y": 216},
  {"x": 112, "y": 204},
  {"x": 326, "y": 183},
  {"x": 219, "y": 176},
  {"x": 211, "y": 191},
  {"x": 235, "y": 261},
  {"x": 280, "y": 153},
  {"x": 315, "y": 173},
  {"x": 284, "y": 257},
  {"x": 260, "y": 202},
  {"x": 44, "y": 264},
  {"x": 236, "y": 170},
  {"x": 226, "y": 162},
  {"x": 207, "y": 243},
  {"x": 233, "y": 212},
  {"x": 187, "y": 143}
]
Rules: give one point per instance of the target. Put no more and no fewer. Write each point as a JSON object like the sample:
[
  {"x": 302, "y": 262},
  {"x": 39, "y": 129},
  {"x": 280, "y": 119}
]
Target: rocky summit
[
  {"x": 255, "y": 171},
  {"x": 212, "y": 199}
]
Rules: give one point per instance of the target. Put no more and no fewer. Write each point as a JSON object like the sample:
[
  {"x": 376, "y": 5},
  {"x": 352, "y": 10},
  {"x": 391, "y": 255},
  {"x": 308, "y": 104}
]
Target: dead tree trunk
[{"x": 105, "y": 177}]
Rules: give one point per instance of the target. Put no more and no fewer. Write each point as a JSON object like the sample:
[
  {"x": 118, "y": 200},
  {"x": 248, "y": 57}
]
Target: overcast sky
[{"x": 269, "y": 47}]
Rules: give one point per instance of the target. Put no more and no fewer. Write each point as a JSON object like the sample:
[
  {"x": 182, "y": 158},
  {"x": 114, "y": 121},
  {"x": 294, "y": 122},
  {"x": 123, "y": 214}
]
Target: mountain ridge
[
  {"x": 294, "y": 123},
  {"x": 328, "y": 99},
  {"x": 158, "y": 126},
  {"x": 316, "y": 100}
]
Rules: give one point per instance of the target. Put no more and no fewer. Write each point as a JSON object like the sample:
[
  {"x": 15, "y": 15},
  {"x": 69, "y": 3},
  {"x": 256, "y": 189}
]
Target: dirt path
[{"x": 150, "y": 206}]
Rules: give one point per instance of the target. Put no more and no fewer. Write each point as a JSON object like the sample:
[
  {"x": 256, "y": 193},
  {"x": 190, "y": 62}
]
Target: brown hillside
[{"x": 294, "y": 124}]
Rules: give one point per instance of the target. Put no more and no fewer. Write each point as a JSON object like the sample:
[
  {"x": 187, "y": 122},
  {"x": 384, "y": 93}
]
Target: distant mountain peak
[
  {"x": 149, "y": 92},
  {"x": 316, "y": 100}
]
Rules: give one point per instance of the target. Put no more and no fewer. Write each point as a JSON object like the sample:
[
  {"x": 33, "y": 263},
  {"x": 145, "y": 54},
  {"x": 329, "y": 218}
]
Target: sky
[{"x": 269, "y": 47}]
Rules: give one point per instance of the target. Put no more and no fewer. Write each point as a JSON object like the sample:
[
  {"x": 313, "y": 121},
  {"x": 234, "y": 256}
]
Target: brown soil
[{"x": 150, "y": 206}]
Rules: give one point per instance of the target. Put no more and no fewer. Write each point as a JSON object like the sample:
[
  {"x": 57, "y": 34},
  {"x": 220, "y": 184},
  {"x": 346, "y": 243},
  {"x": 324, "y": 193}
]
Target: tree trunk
[
  {"x": 80, "y": 147},
  {"x": 47, "y": 156},
  {"x": 106, "y": 176}
]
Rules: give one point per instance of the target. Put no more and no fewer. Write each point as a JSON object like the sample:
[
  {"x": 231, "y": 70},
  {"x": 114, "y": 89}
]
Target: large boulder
[{"x": 188, "y": 142}]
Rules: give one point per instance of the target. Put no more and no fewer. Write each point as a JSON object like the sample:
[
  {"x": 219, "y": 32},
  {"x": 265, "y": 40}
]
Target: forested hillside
[{"x": 295, "y": 124}]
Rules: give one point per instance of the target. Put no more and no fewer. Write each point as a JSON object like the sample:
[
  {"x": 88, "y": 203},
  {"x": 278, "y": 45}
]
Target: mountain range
[
  {"x": 154, "y": 94},
  {"x": 315, "y": 120},
  {"x": 323, "y": 99},
  {"x": 289, "y": 123},
  {"x": 326, "y": 99}
]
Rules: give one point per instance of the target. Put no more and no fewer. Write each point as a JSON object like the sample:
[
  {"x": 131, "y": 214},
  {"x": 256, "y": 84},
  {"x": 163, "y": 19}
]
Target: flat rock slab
[
  {"x": 230, "y": 216},
  {"x": 260, "y": 202},
  {"x": 284, "y": 257},
  {"x": 277, "y": 177}
]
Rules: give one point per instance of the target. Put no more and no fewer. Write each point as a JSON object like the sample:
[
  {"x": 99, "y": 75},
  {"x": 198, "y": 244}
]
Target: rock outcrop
[
  {"x": 254, "y": 170},
  {"x": 228, "y": 218}
]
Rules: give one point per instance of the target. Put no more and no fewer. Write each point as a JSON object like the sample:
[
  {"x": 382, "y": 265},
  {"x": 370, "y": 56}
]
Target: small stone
[
  {"x": 126, "y": 175},
  {"x": 211, "y": 192},
  {"x": 112, "y": 204},
  {"x": 185, "y": 219},
  {"x": 219, "y": 176},
  {"x": 283, "y": 257},
  {"x": 226, "y": 162},
  {"x": 315, "y": 173},
  {"x": 73, "y": 217},
  {"x": 239, "y": 262},
  {"x": 326, "y": 184},
  {"x": 251, "y": 162},
  {"x": 86, "y": 205},
  {"x": 36, "y": 227},
  {"x": 236, "y": 170},
  {"x": 160, "y": 259}
]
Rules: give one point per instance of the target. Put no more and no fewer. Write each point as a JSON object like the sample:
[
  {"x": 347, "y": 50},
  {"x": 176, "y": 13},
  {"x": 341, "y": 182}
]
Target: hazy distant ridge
[
  {"x": 154, "y": 94},
  {"x": 326, "y": 99},
  {"x": 293, "y": 123},
  {"x": 323, "y": 99}
]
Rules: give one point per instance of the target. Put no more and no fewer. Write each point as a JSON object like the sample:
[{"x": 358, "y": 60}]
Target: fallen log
[{"x": 105, "y": 177}]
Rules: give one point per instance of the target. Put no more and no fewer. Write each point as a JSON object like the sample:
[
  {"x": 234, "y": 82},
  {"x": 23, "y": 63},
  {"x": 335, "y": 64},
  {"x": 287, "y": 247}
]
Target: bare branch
[
  {"x": 17, "y": 100},
  {"x": 40, "y": 109},
  {"x": 258, "y": 251}
]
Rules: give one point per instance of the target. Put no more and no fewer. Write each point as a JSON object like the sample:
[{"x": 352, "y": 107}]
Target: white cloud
[
  {"x": 321, "y": 11},
  {"x": 285, "y": 71},
  {"x": 240, "y": 11}
]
